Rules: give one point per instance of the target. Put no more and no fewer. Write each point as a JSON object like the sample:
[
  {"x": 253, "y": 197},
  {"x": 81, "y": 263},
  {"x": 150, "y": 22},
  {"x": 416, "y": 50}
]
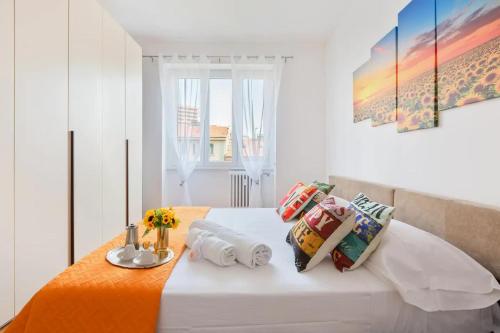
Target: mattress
[{"x": 202, "y": 297}]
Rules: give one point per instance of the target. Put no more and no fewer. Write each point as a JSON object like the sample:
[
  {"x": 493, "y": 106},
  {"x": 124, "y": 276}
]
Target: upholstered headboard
[
  {"x": 473, "y": 228},
  {"x": 347, "y": 188}
]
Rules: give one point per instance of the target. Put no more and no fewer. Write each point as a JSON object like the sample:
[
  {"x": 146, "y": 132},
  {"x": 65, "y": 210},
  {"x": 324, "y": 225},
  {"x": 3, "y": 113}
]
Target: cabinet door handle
[
  {"x": 71, "y": 197},
  {"x": 126, "y": 185}
]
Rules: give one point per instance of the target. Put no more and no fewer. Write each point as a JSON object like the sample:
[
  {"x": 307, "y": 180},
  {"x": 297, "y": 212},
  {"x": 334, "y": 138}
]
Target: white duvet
[{"x": 202, "y": 297}]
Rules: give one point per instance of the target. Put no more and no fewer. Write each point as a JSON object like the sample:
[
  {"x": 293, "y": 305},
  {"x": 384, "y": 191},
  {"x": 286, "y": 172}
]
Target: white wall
[
  {"x": 211, "y": 188},
  {"x": 300, "y": 122},
  {"x": 459, "y": 159}
]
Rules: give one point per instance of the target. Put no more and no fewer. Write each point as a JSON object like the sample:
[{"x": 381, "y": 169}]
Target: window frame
[
  {"x": 216, "y": 72},
  {"x": 221, "y": 71},
  {"x": 205, "y": 163}
]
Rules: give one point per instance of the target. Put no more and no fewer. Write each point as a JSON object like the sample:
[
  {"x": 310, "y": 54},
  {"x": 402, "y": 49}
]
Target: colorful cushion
[
  {"x": 371, "y": 221},
  {"x": 291, "y": 192},
  {"x": 318, "y": 232},
  {"x": 323, "y": 187},
  {"x": 295, "y": 200},
  {"x": 316, "y": 199},
  {"x": 321, "y": 195},
  {"x": 341, "y": 201}
]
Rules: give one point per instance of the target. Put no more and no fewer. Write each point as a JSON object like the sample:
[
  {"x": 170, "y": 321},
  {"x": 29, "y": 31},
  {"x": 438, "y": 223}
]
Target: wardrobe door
[
  {"x": 41, "y": 144},
  {"x": 85, "y": 105},
  {"x": 113, "y": 128},
  {"x": 7, "y": 160},
  {"x": 133, "y": 75}
]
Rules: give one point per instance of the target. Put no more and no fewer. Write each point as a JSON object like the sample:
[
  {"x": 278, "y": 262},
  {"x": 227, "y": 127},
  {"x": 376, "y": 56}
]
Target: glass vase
[{"x": 162, "y": 241}]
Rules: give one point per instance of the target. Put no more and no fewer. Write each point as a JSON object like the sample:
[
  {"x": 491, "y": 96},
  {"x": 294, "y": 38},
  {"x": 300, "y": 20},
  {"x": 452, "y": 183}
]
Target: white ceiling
[{"x": 225, "y": 21}]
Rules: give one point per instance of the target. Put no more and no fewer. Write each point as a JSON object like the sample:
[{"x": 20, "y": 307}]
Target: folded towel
[
  {"x": 204, "y": 244},
  {"x": 248, "y": 251}
]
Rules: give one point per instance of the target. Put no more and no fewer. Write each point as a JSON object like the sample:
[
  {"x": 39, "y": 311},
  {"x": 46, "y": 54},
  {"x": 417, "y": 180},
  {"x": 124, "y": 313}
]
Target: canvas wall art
[
  {"x": 383, "y": 62},
  {"x": 468, "y": 51},
  {"x": 362, "y": 92},
  {"x": 417, "y": 105}
]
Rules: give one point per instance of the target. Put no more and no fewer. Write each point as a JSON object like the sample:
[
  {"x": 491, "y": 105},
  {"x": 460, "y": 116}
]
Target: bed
[
  {"x": 94, "y": 296},
  {"x": 201, "y": 297}
]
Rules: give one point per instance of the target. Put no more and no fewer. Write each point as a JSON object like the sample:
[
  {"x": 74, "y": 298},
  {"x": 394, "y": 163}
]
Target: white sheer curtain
[
  {"x": 184, "y": 90},
  {"x": 255, "y": 94}
]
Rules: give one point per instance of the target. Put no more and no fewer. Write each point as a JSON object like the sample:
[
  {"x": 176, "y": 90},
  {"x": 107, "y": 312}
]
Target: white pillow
[{"x": 430, "y": 273}]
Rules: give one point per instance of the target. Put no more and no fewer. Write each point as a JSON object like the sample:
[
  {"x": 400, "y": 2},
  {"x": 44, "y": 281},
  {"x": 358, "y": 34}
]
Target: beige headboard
[
  {"x": 473, "y": 228},
  {"x": 348, "y": 188}
]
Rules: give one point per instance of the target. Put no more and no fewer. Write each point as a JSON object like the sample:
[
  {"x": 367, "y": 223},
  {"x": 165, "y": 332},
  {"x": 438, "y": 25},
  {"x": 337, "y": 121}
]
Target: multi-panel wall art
[
  {"x": 362, "y": 92},
  {"x": 468, "y": 45},
  {"x": 383, "y": 63},
  {"x": 443, "y": 54},
  {"x": 417, "y": 66}
]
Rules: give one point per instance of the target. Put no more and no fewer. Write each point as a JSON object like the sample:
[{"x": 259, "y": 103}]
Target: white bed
[{"x": 202, "y": 297}]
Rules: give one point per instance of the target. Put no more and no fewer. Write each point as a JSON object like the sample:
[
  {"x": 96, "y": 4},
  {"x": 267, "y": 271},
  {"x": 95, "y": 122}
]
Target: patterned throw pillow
[
  {"x": 290, "y": 193},
  {"x": 371, "y": 221},
  {"x": 323, "y": 187},
  {"x": 341, "y": 201},
  {"x": 295, "y": 200},
  {"x": 318, "y": 232},
  {"x": 324, "y": 190}
]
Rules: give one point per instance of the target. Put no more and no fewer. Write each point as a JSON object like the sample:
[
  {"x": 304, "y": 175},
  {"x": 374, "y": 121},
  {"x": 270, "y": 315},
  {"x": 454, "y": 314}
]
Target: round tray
[{"x": 112, "y": 258}]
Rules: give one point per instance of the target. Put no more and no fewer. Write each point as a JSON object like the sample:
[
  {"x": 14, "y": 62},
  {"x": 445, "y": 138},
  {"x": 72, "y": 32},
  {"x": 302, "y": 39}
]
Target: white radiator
[{"x": 241, "y": 184}]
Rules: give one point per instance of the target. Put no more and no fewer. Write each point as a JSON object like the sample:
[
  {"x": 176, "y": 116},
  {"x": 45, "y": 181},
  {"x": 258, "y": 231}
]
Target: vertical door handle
[
  {"x": 126, "y": 185},
  {"x": 71, "y": 197}
]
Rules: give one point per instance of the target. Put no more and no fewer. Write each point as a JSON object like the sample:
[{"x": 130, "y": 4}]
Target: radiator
[{"x": 241, "y": 184}]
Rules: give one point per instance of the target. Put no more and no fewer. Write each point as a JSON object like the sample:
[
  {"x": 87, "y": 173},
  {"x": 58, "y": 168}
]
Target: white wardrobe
[
  {"x": 133, "y": 129},
  {"x": 70, "y": 139},
  {"x": 6, "y": 160}
]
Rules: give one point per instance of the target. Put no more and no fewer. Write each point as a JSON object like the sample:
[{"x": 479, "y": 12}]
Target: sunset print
[
  {"x": 468, "y": 51},
  {"x": 362, "y": 91},
  {"x": 417, "y": 66},
  {"x": 383, "y": 64},
  {"x": 374, "y": 91}
]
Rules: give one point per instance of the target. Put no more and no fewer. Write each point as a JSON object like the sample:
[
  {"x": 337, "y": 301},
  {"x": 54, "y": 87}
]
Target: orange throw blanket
[{"x": 95, "y": 296}]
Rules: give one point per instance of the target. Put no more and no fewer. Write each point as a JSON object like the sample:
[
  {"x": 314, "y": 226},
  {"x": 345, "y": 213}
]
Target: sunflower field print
[
  {"x": 468, "y": 51},
  {"x": 417, "y": 93},
  {"x": 384, "y": 59},
  {"x": 362, "y": 92}
]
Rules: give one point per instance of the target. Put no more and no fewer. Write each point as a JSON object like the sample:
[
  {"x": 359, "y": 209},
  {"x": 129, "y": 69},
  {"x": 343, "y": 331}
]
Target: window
[
  {"x": 220, "y": 144},
  {"x": 218, "y": 150},
  {"x": 220, "y": 118},
  {"x": 188, "y": 115},
  {"x": 253, "y": 118}
]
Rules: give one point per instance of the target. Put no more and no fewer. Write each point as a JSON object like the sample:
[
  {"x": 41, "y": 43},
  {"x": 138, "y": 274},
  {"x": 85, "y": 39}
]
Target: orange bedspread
[{"x": 94, "y": 296}]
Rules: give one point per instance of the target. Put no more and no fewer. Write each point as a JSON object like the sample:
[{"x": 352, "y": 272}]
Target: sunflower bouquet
[{"x": 160, "y": 218}]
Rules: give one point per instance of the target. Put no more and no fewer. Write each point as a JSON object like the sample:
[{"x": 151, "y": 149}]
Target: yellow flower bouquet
[{"x": 160, "y": 218}]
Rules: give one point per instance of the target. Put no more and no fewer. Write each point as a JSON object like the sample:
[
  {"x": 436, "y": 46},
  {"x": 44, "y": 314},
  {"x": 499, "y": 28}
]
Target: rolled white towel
[
  {"x": 249, "y": 252},
  {"x": 218, "y": 251},
  {"x": 204, "y": 244},
  {"x": 194, "y": 234}
]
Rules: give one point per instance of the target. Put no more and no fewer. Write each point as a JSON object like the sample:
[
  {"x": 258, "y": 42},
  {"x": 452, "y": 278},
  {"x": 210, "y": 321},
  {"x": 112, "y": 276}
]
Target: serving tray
[{"x": 112, "y": 258}]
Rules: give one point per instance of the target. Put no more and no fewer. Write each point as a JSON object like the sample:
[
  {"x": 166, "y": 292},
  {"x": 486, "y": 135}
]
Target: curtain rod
[{"x": 285, "y": 58}]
